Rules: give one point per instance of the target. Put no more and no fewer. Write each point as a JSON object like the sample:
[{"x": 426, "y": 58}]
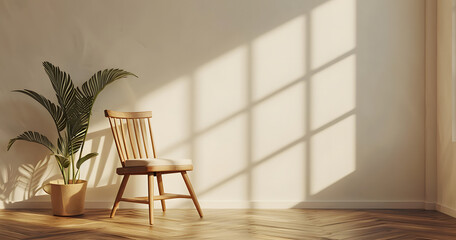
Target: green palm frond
[
  {"x": 102, "y": 78},
  {"x": 67, "y": 146},
  {"x": 63, "y": 86},
  {"x": 63, "y": 161},
  {"x": 62, "y": 145},
  {"x": 55, "y": 111},
  {"x": 85, "y": 104},
  {"x": 85, "y": 158},
  {"x": 77, "y": 132},
  {"x": 35, "y": 137},
  {"x": 86, "y": 96}
]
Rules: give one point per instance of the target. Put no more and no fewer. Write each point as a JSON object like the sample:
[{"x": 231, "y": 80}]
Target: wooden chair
[{"x": 133, "y": 137}]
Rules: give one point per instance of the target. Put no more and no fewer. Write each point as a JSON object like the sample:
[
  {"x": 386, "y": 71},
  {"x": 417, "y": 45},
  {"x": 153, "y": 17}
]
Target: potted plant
[{"x": 71, "y": 117}]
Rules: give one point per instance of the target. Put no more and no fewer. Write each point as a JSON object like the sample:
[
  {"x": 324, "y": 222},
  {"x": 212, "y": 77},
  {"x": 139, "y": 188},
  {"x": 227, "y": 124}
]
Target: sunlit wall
[
  {"x": 279, "y": 103},
  {"x": 446, "y": 166}
]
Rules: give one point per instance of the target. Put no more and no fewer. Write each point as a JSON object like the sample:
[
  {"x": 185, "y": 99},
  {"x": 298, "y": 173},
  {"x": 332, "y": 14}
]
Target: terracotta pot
[{"x": 67, "y": 200}]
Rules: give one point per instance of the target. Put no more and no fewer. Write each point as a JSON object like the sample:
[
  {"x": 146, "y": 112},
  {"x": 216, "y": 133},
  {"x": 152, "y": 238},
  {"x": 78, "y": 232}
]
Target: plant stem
[
  {"x": 72, "y": 167},
  {"x": 62, "y": 171},
  {"x": 71, "y": 160},
  {"x": 68, "y": 170},
  {"x": 77, "y": 173}
]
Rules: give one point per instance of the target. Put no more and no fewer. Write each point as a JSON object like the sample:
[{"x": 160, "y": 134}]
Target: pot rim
[{"x": 60, "y": 182}]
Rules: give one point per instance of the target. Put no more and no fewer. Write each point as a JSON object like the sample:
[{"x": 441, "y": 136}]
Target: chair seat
[
  {"x": 151, "y": 162},
  {"x": 148, "y": 165}
]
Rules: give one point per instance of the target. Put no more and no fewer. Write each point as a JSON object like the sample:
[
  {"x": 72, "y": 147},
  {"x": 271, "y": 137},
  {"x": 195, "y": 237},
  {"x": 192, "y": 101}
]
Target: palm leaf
[
  {"x": 86, "y": 96},
  {"x": 102, "y": 78},
  {"x": 33, "y": 137},
  {"x": 84, "y": 104},
  {"x": 63, "y": 86},
  {"x": 91, "y": 88},
  {"x": 62, "y": 145},
  {"x": 77, "y": 128},
  {"x": 85, "y": 158},
  {"x": 64, "y": 161},
  {"x": 55, "y": 111},
  {"x": 66, "y": 95}
]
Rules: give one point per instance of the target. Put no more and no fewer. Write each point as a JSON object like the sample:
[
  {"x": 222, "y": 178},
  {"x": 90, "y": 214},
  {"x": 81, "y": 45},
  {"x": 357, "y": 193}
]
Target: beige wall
[
  {"x": 279, "y": 103},
  {"x": 431, "y": 105},
  {"x": 446, "y": 149}
]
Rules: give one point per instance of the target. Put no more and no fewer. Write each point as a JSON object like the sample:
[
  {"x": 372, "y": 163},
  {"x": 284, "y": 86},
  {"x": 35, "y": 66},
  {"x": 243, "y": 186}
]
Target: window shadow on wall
[{"x": 269, "y": 104}]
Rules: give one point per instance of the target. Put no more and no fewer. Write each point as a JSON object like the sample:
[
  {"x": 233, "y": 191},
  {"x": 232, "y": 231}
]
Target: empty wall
[{"x": 446, "y": 149}]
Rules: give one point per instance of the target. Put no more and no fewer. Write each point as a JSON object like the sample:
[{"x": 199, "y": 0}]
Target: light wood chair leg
[
  {"x": 192, "y": 192},
  {"x": 151, "y": 198},
  {"x": 119, "y": 194},
  {"x": 161, "y": 190}
]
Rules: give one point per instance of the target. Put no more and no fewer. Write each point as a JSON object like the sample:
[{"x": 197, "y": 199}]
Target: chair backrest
[{"x": 132, "y": 134}]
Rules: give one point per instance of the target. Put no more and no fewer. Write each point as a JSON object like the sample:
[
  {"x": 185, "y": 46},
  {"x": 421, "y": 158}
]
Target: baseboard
[
  {"x": 446, "y": 210},
  {"x": 363, "y": 205},
  {"x": 429, "y": 206},
  {"x": 186, "y": 204}
]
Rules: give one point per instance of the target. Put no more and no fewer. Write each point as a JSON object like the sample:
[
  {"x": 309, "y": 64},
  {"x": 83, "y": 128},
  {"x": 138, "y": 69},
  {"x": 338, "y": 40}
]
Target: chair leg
[
  {"x": 161, "y": 190},
  {"x": 151, "y": 197},
  {"x": 192, "y": 192},
  {"x": 119, "y": 194}
]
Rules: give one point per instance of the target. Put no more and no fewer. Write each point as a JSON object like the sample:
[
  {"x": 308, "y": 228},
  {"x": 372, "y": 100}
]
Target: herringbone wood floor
[{"x": 230, "y": 224}]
